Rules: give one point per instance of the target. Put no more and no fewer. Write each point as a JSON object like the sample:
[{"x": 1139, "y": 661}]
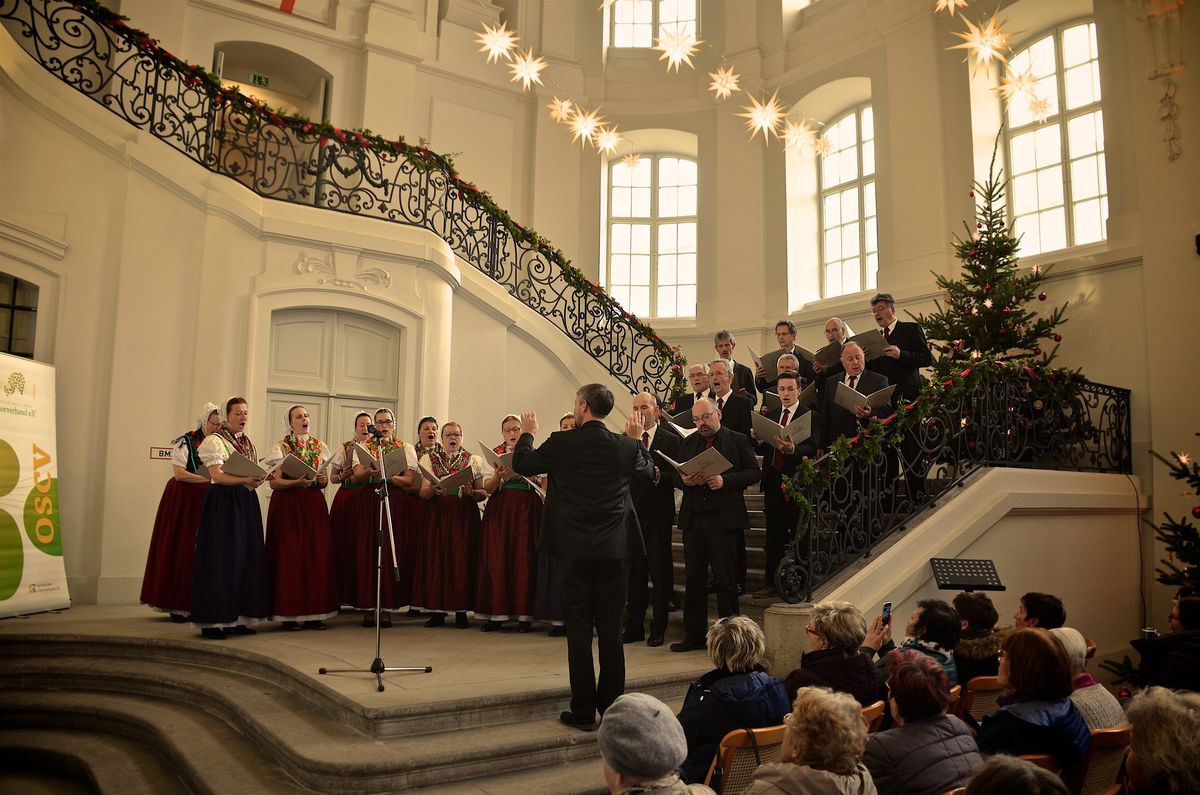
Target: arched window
[
  {"x": 846, "y": 174},
  {"x": 18, "y": 315},
  {"x": 639, "y": 23},
  {"x": 1059, "y": 192},
  {"x": 651, "y": 241}
]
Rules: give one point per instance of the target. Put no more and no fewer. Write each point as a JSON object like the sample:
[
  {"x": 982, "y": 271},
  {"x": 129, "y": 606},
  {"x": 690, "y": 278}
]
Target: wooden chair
[
  {"x": 1044, "y": 761},
  {"x": 1098, "y": 772},
  {"x": 979, "y": 697},
  {"x": 873, "y": 716},
  {"x": 1091, "y": 649},
  {"x": 955, "y": 695},
  {"x": 741, "y": 752}
]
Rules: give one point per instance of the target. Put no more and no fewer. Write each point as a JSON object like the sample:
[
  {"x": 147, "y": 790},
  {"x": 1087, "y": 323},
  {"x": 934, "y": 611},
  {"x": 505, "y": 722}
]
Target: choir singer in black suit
[
  {"x": 711, "y": 516},
  {"x": 698, "y": 380},
  {"x": 590, "y": 528},
  {"x": 655, "y": 506},
  {"x": 735, "y": 411},
  {"x": 743, "y": 376},
  {"x": 837, "y": 421}
]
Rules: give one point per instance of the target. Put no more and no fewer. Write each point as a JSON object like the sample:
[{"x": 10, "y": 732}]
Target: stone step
[
  {"x": 582, "y": 776},
  {"x": 61, "y": 757}
]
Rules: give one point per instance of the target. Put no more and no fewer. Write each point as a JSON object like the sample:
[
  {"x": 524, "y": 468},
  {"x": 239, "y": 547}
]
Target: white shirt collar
[{"x": 890, "y": 327}]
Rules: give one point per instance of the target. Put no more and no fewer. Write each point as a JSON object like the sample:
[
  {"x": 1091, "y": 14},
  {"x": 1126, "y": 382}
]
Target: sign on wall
[{"x": 32, "y": 575}]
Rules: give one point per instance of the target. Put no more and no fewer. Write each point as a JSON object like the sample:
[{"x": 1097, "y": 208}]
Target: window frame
[
  {"x": 860, "y": 182},
  {"x": 655, "y": 26},
  {"x": 14, "y": 308}
]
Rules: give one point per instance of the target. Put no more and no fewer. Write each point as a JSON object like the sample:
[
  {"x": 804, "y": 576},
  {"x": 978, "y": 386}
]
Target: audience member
[
  {"x": 1036, "y": 715},
  {"x": 642, "y": 745},
  {"x": 1041, "y": 610},
  {"x": 979, "y": 641},
  {"x": 1006, "y": 775},
  {"x": 1099, "y": 708},
  {"x": 929, "y": 751},
  {"x": 1173, "y": 660},
  {"x": 736, "y": 694},
  {"x": 823, "y": 746},
  {"x": 932, "y": 629},
  {"x": 836, "y": 660},
  {"x": 1163, "y": 755}
]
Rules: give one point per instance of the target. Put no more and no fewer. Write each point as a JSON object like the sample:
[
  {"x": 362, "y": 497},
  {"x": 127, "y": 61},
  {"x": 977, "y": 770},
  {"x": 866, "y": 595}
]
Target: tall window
[
  {"x": 652, "y": 235},
  {"x": 18, "y": 315},
  {"x": 1059, "y": 195},
  {"x": 849, "y": 243},
  {"x": 638, "y": 23}
]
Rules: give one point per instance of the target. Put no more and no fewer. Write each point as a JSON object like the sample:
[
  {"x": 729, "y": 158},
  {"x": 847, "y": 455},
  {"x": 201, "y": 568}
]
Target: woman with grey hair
[
  {"x": 822, "y": 749},
  {"x": 737, "y": 694},
  {"x": 834, "y": 660},
  {"x": 1163, "y": 756},
  {"x": 1099, "y": 708}
]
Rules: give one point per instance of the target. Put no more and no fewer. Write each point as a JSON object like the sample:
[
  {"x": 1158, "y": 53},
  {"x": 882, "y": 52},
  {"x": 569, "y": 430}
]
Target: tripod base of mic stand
[{"x": 377, "y": 668}]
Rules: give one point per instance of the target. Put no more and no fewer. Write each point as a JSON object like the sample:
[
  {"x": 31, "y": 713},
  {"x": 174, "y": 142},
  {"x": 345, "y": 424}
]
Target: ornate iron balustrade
[
  {"x": 264, "y": 153},
  {"x": 1007, "y": 423}
]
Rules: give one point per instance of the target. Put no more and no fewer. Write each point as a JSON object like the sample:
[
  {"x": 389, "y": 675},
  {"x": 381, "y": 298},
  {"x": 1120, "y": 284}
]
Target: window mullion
[{"x": 654, "y": 222}]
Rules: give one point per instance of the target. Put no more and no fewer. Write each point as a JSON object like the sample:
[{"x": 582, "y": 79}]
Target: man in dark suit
[
  {"x": 743, "y": 376},
  {"x": 712, "y": 514},
  {"x": 590, "y": 529},
  {"x": 901, "y": 362},
  {"x": 655, "y": 506},
  {"x": 698, "y": 380},
  {"x": 785, "y": 335},
  {"x": 837, "y": 421},
  {"x": 780, "y": 457},
  {"x": 735, "y": 415}
]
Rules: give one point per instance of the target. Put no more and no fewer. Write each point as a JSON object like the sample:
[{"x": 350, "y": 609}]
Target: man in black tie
[
  {"x": 698, "y": 379},
  {"x": 735, "y": 413},
  {"x": 837, "y": 421},
  {"x": 743, "y": 376},
  {"x": 655, "y": 506},
  {"x": 712, "y": 514},
  {"x": 590, "y": 528},
  {"x": 785, "y": 335}
]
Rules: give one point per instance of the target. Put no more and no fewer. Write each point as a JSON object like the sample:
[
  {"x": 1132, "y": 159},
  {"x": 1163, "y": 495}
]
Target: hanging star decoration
[
  {"x": 584, "y": 124},
  {"x": 498, "y": 42},
  {"x": 724, "y": 82},
  {"x": 983, "y": 43},
  {"x": 607, "y": 140},
  {"x": 677, "y": 47},
  {"x": 1015, "y": 84},
  {"x": 1039, "y": 108},
  {"x": 797, "y": 136},
  {"x": 822, "y": 146},
  {"x": 525, "y": 69},
  {"x": 763, "y": 117},
  {"x": 631, "y": 160},
  {"x": 561, "y": 110},
  {"x": 949, "y": 5}
]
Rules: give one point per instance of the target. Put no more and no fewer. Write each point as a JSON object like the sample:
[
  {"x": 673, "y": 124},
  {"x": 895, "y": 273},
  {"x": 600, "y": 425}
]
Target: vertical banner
[{"x": 32, "y": 575}]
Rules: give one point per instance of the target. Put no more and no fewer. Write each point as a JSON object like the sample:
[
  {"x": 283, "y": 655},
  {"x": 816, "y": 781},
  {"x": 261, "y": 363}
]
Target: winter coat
[
  {"x": 1171, "y": 660},
  {"x": 931, "y": 756},
  {"x": 669, "y": 785},
  {"x": 1036, "y": 727},
  {"x": 792, "y": 779},
  {"x": 976, "y": 653},
  {"x": 719, "y": 702},
  {"x": 846, "y": 673},
  {"x": 943, "y": 657}
]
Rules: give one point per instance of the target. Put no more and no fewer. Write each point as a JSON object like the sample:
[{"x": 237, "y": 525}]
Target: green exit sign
[{"x": 260, "y": 80}]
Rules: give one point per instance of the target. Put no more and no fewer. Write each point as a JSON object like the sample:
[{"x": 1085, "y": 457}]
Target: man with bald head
[
  {"x": 711, "y": 516},
  {"x": 837, "y": 421}
]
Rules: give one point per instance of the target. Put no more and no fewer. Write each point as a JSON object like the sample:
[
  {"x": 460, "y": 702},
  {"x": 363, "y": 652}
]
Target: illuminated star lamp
[
  {"x": 1015, "y": 84},
  {"x": 631, "y": 160},
  {"x": 498, "y": 42},
  {"x": 797, "y": 136},
  {"x": 724, "y": 82},
  {"x": 525, "y": 69},
  {"x": 584, "y": 124},
  {"x": 763, "y": 117},
  {"x": 949, "y": 5},
  {"x": 1039, "y": 108},
  {"x": 561, "y": 110},
  {"x": 984, "y": 43},
  {"x": 677, "y": 47},
  {"x": 607, "y": 139}
]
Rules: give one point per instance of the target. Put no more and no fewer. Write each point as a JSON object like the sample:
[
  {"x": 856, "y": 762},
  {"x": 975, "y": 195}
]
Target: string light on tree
[
  {"x": 677, "y": 47},
  {"x": 561, "y": 110},
  {"x": 498, "y": 42},
  {"x": 584, "y": 124},
  {"x": 763, "y": 117},
  {"x": 525, "y": 69},
  {"x": 984, "y": 43},
  {"x": 949, "y": 5},
  {"x": 724, "y": 82},
  {"x": 607, "y": 139}
]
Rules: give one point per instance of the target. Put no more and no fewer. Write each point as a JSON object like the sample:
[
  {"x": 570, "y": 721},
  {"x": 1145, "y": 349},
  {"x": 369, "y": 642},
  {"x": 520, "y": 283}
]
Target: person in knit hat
[{"x": 642, "y": 745}]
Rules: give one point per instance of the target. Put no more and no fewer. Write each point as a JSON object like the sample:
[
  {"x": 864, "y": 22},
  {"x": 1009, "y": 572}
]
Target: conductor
[{"x": 590, "y": 529}]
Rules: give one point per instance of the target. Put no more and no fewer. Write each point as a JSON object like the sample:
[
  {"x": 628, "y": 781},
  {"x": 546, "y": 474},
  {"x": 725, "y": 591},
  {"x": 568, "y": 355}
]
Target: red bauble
[
  {"x": 979, "y": 226},
  {"x": 1007, "y": 310},
  {"x": 1037, "y": 351},
  {"x": 971, "y": 194},
  {"x": 1196, "y": 511},
  {"x": 1041, "y": 296},
  {"x": 1058, "y": 337},
  {"x": 987, "y": 288}
]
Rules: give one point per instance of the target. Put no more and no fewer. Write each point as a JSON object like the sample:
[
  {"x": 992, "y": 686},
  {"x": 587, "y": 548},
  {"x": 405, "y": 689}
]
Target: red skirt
[
  {"x": 407, "y": 510},
  {"x": 167, "y": 584},
  {"x": 355, "y": 525},
  {"x": 504, "y": 589},
  {"x": 444, "y": 579},
  {"x": 301, "y": 570}
]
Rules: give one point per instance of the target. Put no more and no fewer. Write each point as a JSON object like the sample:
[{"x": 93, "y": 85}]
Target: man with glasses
[{"x": 712, "y": 516}]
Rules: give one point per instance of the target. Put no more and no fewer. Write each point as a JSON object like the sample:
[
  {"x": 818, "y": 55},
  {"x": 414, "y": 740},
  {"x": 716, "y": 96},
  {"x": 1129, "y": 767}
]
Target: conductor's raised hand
[
  {"x": 529, "y": 423},
  {"x": 633, "y": 426}
]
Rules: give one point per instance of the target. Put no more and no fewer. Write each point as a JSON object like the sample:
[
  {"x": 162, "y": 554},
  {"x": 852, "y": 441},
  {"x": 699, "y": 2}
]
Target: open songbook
[
  {"x": 872, "y": 343},
  {"x": 798, "y": 430},
  {"x": 238, "y": 466},
  {"x": 295, "y": 469},
  {"x": 682, "y": 431},
  {"x": 708, "y": 463},
  {"x": 460, "y": 478},
  {"x": 683, "y": 420},
  {"x": 807, "y": 399},
  {"x": 494, "y": 459},
  {"x": 827, "y": 357},
  {"x": 395, "y": 462},
  {"x": 849, "y": 398},
  {"x": 769, "y": 362}
]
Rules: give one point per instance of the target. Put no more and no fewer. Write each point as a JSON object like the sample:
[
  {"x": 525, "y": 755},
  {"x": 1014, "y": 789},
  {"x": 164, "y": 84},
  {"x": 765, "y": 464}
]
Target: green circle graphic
[
  {"x": 10, "y": 468},
  {"x": 41, "y": 519},
  {"x": 12, "y": 556}
]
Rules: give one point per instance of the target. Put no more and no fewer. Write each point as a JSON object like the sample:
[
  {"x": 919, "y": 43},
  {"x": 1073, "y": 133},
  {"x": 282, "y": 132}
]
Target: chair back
[
  {"x": 980, "y": 697},
  {"x": 1099, "y": 770},
  {"x": 741, "y": 752},
  {"x": 955, "y": 695},
  {"x": 1044, "y": 761},
  {"x": 1091, "y": 649},
  {"x": 873, "y": 716}
]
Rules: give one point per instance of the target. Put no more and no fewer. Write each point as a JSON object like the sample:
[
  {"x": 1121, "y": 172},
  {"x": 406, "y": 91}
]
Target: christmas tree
[
  {"x": 986, "y": 312},
  {"x": 1181, "y": 537}
]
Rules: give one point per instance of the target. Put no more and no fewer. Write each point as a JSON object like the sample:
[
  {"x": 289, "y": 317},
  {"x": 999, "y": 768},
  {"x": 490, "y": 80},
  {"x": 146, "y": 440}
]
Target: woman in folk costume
[
  {"x": 449, "y": 537},
  {"x": 352, "y": 506},
  {"x": 300, "y": 560},
  {"x": 167, "y": 584},
  {"x": 360, "y": 591},
  {"x": 504, "y": 589},
  {"x": 229, "y": 580}
]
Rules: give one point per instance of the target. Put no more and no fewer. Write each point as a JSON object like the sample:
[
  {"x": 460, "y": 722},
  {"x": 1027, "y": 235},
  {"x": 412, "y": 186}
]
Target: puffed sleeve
[
  {"x": 274, "y": 457},
  {"x": 213, "y": 451},
  {"x": 179, "y": 453}
]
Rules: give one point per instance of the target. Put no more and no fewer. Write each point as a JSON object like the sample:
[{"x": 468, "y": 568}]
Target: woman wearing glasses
[
  {"x": 352, "y": 507},
  {"x": 835, "y": 634}
]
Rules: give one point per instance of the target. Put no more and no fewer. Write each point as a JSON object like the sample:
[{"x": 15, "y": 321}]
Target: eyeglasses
[
  {"x": 452, "y": 433},
  {"x": 385, "y": 422},
  {"x": 705, "y": 417}
]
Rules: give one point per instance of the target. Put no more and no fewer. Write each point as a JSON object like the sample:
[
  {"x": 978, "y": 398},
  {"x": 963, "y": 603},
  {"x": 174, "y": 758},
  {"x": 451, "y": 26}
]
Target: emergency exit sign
[{"x": 260, "y": 80}]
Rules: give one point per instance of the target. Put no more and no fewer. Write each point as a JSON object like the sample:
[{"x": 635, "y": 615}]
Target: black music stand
[{"x": 962, "y": 574}]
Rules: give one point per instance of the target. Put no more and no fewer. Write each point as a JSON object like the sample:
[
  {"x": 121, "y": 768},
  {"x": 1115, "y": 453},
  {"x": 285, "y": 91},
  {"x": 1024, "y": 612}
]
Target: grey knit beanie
[{"x": 640, "y": 736}]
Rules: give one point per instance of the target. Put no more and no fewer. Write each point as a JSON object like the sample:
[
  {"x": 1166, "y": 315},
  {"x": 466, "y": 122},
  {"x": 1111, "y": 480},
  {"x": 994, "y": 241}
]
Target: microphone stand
[{"x": 377, "y": 667}]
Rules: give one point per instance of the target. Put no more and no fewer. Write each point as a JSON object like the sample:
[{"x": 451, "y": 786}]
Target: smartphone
[{"x": 887, "y": 613}]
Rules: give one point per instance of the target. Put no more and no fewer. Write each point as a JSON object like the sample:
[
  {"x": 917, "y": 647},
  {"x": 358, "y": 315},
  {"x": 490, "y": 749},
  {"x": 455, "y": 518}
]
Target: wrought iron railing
[
  {"x": 1008, "y": 423},
  {"x": 267, "y": 155}
]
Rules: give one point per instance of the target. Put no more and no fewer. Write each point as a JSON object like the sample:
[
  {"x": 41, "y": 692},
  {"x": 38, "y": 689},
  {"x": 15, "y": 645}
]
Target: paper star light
[
  {"x": 498, "y": 42},
  {"x": 677, "y": 47},
  {"x": 949, "y": 5},
  {"x": 984, "y": 43},
  {"x": 724, "y": 82},
  {"x": 797, "y": 136},
  {"x": 561, "y": 110},
  {"x": 763, "y": 117},
  {"x": 1014, "y": 84},
  {"x": 584, "y": 124},
  {"x": 1039, "y": 107},
  {"x": 607, "y": 139},
  {"x": 822, "y": 146},
  {"x": 631, "y": 160},
  {"x": 525, "y": 69}
]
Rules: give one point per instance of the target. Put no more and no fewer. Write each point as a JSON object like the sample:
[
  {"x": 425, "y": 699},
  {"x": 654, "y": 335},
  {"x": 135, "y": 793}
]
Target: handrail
[{"x": 122, "y": 69}]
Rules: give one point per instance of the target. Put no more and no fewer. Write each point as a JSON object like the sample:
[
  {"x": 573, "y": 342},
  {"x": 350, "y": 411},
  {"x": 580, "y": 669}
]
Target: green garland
[{"x": 420, "y": 157}]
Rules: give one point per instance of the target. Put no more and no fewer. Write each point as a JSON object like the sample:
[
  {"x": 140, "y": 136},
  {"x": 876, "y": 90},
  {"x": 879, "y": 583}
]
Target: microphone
[{"x": 371, "y": 429}]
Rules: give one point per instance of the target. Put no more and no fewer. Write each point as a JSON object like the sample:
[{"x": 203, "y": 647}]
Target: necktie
[
  {"x": 720, "y": 403},
  {"x": 778, "y": 462},
  {"x": 886, "y": 333},
  {"x": 646, "y": 439},
  {"x": 853, "y": 379}
]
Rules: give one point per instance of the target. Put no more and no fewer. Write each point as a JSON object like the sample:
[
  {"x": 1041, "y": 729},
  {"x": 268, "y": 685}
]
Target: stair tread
[{"x": 117, "y": 764}]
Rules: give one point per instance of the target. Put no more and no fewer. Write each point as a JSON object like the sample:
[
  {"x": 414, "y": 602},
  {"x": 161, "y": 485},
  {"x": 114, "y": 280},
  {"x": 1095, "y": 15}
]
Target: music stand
[
  {"x": 964, "y": 574},
  {"x": 377, "y": 668}
]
